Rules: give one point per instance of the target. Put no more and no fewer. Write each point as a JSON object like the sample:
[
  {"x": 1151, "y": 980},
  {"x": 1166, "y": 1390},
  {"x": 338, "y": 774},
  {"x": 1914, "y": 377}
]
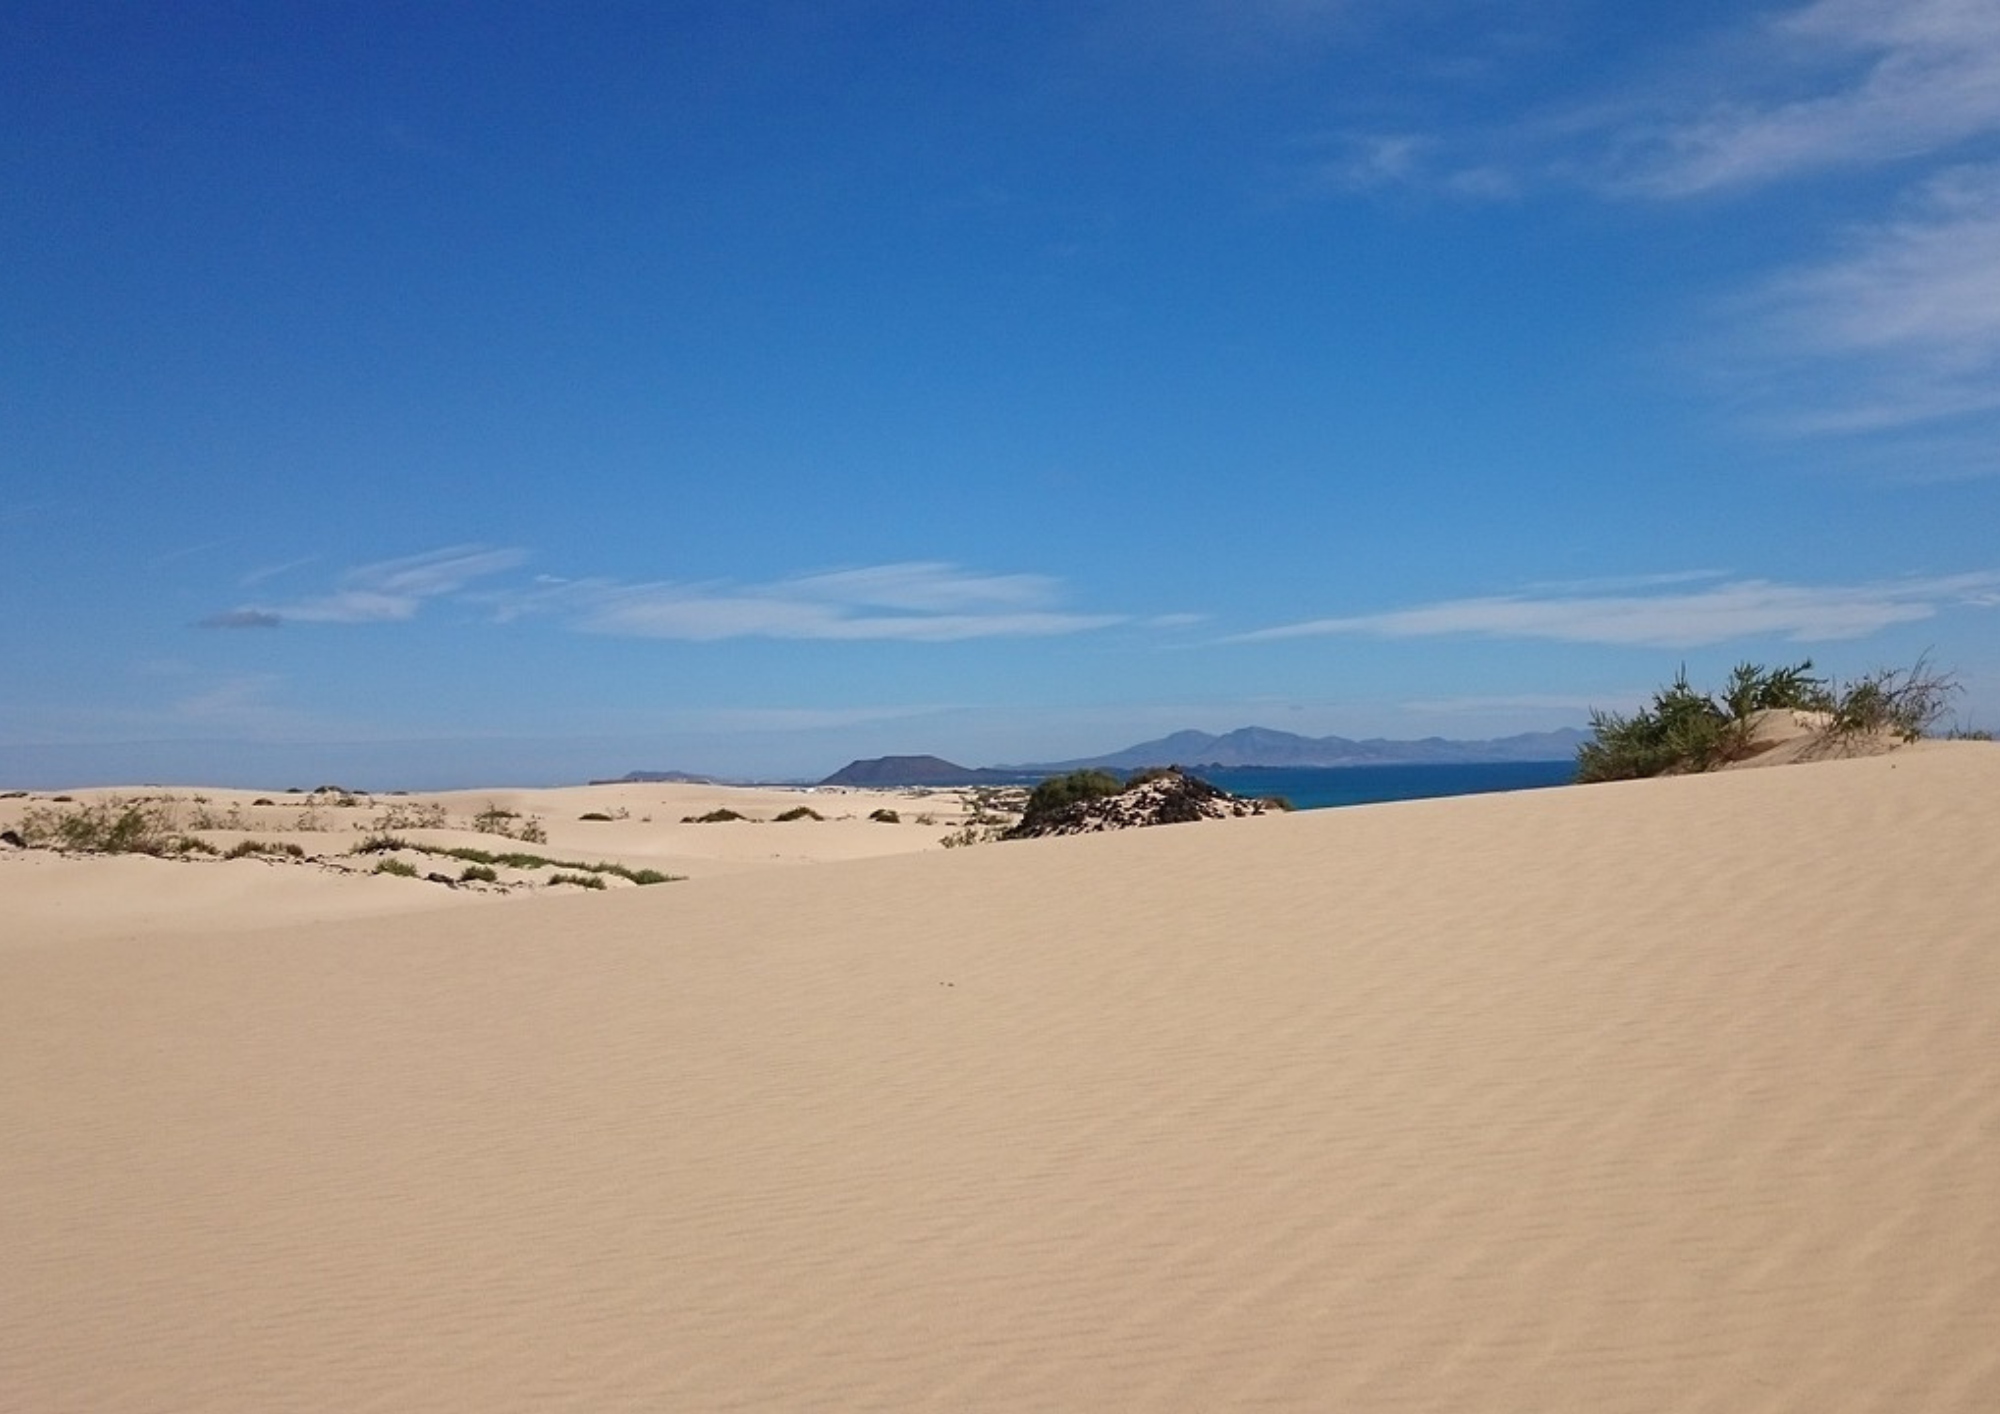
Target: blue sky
[{"x": 467, "y": 394}]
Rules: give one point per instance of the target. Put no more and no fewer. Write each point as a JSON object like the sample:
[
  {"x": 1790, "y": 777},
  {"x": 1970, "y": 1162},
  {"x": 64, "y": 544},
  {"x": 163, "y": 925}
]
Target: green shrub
[
  {"x": 593, "y": 815},
  {"x": 1755, "y": 689},
  {"x": 252, "y": 849},
  {"x": 1053, "y": 794},
  {"x": 582, "y": 881},
  {"x": 478, "y": 874},
  {"x": 800, "y": 812},
  {"x": 113, "y": 826},
  {"x": 1684, "y": 730},
  {"x": 379, "y": 844},
  {"x": 1907, "y": 702},
  {"x": 718, "y": 816},
  {"x": 397, "y": 867},
  {"x": 519, "y": 860},
  {"x": 885, "y": 816}
]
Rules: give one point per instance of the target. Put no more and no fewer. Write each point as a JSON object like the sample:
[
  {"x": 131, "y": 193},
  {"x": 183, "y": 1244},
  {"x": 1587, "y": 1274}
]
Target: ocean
[{"x": 1325, "y": 787}]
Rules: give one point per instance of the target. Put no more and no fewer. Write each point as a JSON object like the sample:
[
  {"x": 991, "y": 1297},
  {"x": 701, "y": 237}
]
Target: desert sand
[{"x": 1671, "y": 1095}]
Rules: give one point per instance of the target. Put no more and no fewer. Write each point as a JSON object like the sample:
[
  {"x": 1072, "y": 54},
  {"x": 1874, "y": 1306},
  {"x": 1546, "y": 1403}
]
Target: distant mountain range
[
  {"x": 1261, "y": 746},
  {"x": 1246, "y": 746},
  {"x": 885, "y": 772}
]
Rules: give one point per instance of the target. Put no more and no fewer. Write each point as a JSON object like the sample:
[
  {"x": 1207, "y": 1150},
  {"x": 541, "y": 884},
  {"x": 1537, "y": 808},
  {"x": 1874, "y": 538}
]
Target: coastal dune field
[{"x": 1675, "y": 1095}]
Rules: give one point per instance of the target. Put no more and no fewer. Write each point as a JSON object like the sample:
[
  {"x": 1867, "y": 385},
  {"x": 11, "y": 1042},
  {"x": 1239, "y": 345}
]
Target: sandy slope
[
  {"x": 1677, "y": 1095},
  {"x": 648, "y": 828}
]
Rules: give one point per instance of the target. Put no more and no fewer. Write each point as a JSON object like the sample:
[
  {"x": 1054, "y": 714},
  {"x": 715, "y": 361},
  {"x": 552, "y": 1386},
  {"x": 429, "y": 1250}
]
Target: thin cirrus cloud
[
  {"x": 1903, "y": 78},
  {"x": 386, "y": 591},
  {"x": 1831, "y": 86},
  {"x": 1739, "y": 609},
  {"x": 1904, "y": 326},
  {"x": 921, "y": 601},
  {"x": 915, "y": 601},
  {"x": 1895, "y": 324}
]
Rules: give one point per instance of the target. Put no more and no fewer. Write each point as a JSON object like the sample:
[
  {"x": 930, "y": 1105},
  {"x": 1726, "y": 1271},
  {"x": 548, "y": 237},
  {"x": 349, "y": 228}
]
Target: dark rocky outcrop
[{"x": 1171, "y": 798}]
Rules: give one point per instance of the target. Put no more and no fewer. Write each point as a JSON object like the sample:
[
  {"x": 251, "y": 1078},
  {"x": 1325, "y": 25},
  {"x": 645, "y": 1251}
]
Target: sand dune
[
  {"x": 637, "y": 826},
  {"x": 1675, "y": 1095}
]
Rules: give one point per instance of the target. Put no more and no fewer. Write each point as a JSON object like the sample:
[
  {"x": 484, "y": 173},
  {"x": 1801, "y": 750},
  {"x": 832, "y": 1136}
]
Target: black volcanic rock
[{"x": 1171, "y": 798}]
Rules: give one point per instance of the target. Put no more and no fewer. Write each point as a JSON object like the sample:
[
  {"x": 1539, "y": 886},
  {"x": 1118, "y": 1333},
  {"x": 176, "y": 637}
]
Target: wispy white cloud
[
  {"x": 1364, "y": 161},
  {"x": 1738, "y": 609},
  {"x": 1359, "y": 161},
  {"x": 921, "y": 601},
  {"x": 1829, "y": 86},
  {"x": 265, "y": 573},
  {"x": 913, "y": 601},
  {"x": 1863, "y": 82},
  {"x": 1532, "y": 702},
  {"x": 386, "y": 591},
  {"x": 1904, "y": 326},
  {"x": 243, "y": 618}
]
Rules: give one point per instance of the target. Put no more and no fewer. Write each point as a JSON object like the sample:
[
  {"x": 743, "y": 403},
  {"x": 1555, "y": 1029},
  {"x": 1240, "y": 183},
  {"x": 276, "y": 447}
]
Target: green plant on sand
[
  {"x": 1685, "y": 731},
  {"x": 1059, "y": 791}
]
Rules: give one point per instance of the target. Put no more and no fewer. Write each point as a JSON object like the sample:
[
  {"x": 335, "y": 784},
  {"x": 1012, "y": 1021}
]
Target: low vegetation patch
[
  {"x": 411, "y": 815},
  {"x": 719, "y": 816},
  {"x": 885, "y": 816},
  {"x": 511, "y": 859},
  {"x": 1684, "y": 730},
  {"x": 254, "y": 849},
  {"x": 1058, "y": 792},
  {"x": 400, "y": 868},
  {"x": 582, "y": 881},
  {"x": 594, "y": 815},
  {"x": 494, "y": 820},
  {"x": 477, "y": 874},
  {"x": 115, "y": 826},
  {"x": 800, "y": 812}
]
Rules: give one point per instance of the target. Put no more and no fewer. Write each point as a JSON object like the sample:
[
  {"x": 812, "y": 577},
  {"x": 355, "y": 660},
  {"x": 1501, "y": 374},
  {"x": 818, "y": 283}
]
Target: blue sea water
[{"x": 1320, "y": 788}]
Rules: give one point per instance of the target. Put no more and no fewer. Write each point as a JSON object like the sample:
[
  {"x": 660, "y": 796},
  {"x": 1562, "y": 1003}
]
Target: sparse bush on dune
[
  {"x": 719, "y": 816},
  {"x": 254, "y": 849},
  {"x": 114, "y": 826},
  {"x": 885, "y": 816},
  {"x": 1053, "y": 794},
  {"x": 411, "y": 815},
  {"x": 494, "y": 820},
  {"x": 1684, "y": 731},
  {"x": 800, "y": 812},
  {"x": 1908, "y": 701}
]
